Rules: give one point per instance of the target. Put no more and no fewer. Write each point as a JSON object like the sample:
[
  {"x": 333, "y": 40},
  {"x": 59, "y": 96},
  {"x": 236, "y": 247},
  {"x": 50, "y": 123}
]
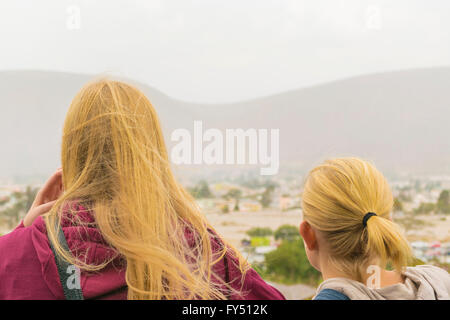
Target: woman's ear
[{"x": 309, "y": 236}]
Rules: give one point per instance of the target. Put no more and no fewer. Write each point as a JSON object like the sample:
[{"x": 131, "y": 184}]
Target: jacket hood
[
  {"x": 423, "y": 282},
  {"x": 86, "y": 243}
]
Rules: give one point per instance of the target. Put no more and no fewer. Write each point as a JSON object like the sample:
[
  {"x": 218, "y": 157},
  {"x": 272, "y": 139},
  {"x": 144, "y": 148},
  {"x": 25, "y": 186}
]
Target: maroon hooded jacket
[{"x": 28, "y": 269}]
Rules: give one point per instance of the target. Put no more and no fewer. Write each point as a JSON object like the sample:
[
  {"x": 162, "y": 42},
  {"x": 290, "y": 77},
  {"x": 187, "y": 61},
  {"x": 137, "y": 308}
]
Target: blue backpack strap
[
  {"x": 69, "y": 275},
  {"x": 330, "y": 294}
]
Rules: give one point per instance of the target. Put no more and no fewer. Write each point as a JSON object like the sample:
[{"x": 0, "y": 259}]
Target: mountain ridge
[{"x": 398, "y": 119}]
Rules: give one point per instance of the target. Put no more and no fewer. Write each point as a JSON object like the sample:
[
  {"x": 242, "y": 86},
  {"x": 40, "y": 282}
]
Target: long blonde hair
[
  {"x": 336, "y": 197},
  {"x": 115, "y": 163}
]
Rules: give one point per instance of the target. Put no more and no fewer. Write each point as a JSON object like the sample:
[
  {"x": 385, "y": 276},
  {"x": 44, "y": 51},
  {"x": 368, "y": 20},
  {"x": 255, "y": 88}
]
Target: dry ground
[{"x": 233, "y": 226}]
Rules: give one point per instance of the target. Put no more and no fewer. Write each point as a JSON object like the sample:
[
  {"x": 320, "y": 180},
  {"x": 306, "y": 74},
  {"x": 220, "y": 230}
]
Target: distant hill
[{"x": 400, "y": 119}]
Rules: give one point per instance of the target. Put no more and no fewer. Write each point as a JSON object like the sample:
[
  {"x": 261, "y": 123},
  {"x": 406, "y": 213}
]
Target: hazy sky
[{"x": 225, "y": 50}]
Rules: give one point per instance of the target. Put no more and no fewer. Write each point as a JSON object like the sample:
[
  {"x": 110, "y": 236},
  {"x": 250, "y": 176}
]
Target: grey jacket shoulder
[{"x": 437, "y": 278}]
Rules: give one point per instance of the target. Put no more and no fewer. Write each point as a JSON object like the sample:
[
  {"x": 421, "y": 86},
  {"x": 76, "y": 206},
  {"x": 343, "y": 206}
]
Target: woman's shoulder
[
  {"x": 435, "y": 278},
  {"x": 429, "y": 271},
  {"x": 432, "y": 273},
  {"x": 10, "y": 241},
  {"x": 21, "y": 242},
  {"x": 258, "y": 289},
  {"x": 21, "y": 265}
]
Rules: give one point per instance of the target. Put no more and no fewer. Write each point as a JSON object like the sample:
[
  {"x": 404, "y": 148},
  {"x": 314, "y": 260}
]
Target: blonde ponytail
[
  {"x": 385, "y": 240},
  {"x": 336, "y": 197}
]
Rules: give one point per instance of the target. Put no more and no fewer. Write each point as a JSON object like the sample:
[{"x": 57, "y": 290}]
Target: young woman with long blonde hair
[
  {"x": 115, "y": 223},
  {"x": 350, "y": 237}
]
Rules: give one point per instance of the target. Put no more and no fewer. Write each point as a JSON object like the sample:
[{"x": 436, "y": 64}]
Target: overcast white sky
[{"x": 225, "y": 50}]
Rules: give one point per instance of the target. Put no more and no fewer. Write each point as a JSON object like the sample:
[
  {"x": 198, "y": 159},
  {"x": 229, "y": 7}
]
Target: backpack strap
[
  {"x": 330, "y": 294},
  {"x": 69, "y": 274}
]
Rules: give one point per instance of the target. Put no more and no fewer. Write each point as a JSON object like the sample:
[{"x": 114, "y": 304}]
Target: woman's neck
[{"x": 386, "y": 277}]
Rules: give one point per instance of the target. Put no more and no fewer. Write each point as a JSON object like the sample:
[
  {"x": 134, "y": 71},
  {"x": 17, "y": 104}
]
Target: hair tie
[{"x": 367, "y": 217}]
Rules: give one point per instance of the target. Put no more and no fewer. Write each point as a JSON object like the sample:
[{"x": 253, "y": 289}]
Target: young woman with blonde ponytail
[
  {"x": 350, "y": 237},
  {"x": 116, "y": 224}
]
